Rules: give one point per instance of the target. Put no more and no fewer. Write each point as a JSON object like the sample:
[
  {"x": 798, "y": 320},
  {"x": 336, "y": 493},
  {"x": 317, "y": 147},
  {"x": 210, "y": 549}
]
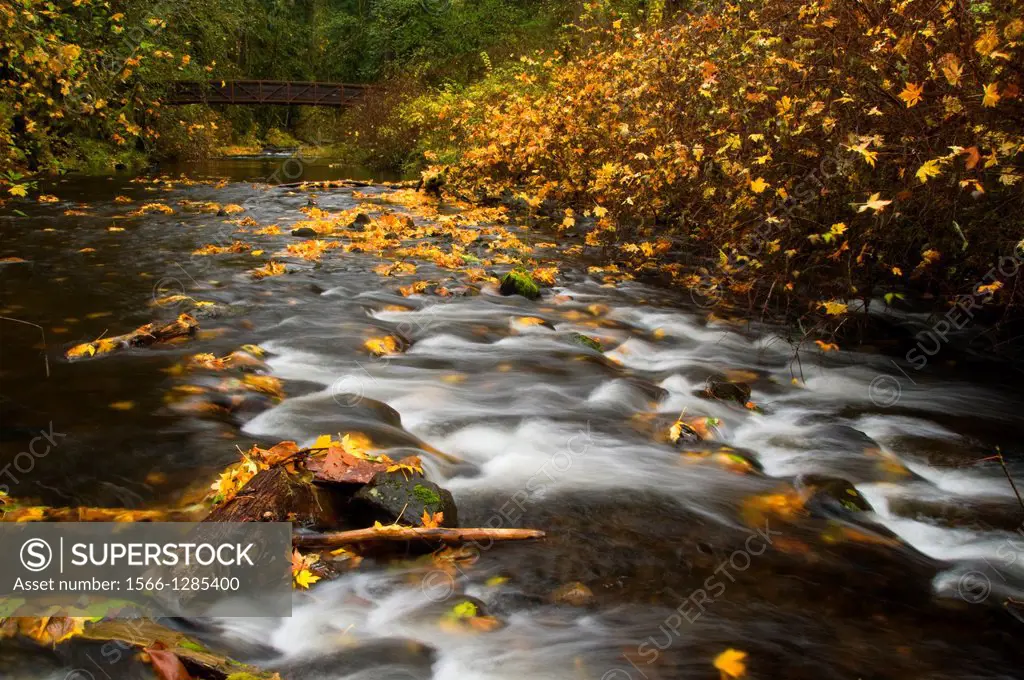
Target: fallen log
[
  {"x": 273, "y": 495},
  {"x": 144, "y": 634},
  {"x": 143, "y": 336},
  {"x": 399, "y": 533}
]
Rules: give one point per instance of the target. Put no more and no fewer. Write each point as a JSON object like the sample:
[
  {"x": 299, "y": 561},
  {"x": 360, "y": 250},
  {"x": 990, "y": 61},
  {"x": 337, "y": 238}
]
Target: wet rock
[
  {"x": 305, "y": 232},
  {"x": 987, "y": 514},
  {"x": 403, "y": 497},
  {"x": 735, "y": 460},
  {"x": 830, "y": 495},
  {"x": 458, "y": 291},
  {"x": 359, "y": 222},
  {"x": 431, "y": 182},
  {"x": 726, "y": 391},
  {"x": 381, "y": 658},
  {"x": 586, "y": 341},
  {"x": 575, "y": 594},
  {"x": 519, "y": 283}
]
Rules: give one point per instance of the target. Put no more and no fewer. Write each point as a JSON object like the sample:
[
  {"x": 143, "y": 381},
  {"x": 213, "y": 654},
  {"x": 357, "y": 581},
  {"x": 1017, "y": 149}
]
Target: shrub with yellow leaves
[{"x": 740, "y": 134}]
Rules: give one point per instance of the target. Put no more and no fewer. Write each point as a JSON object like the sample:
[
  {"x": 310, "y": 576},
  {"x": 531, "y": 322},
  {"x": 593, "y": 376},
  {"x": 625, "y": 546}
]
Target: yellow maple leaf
[
  {"x": 382, "y": 346},
  {"x": 414, "y": 466},
  {"x": 874, "y": 203},
  {"x": 951, "y": 69},
  {"x": 730, "y": 663},
  {"x": 928, "y": 170},
  {"x": 432, "y": 521},
  {"x": 833, "y": 307},
  {"x": 826, "y": 346},
  {"x": 991, "y": 95},
  {"x": 987, "y": 43},
  {"x": 758, "y": 185},
  {"x": 911, "y": 94},
  {"x": 305, "y": 578},
  {"x": 18, "y": 190}
]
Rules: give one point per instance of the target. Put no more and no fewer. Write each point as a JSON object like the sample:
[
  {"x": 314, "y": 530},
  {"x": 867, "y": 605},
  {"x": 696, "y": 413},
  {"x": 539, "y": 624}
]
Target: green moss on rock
[
  {"x": 427, "y": 496},
  {"x": 586, "y": 341},
  {"x": 518, "y": 282}
]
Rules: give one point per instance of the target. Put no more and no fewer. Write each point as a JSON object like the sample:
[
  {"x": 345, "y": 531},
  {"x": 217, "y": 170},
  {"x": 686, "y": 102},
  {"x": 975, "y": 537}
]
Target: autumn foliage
[{"x": 808, "y": 153}]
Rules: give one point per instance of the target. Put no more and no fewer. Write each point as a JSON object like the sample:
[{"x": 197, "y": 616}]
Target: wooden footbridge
[{"x": 252, "y": 92}]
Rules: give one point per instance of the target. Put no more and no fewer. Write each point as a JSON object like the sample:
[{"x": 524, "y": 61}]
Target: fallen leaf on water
[
  {"x": 730, "y": 663},
  {"x": 265, "y": 384},
  {"x": 271, "y": 268},
  {"x": 209, "y": 362},
  {"x": 382, "y": 346},
  {"x": 826, "y": 346},
  {"x": 123, "y": 405},
  {"x": 545, "y": 275}
]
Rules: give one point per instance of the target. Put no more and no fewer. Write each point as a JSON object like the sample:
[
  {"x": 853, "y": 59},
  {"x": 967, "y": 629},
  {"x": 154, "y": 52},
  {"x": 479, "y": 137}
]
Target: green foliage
[{"x": 193, "y": 132}]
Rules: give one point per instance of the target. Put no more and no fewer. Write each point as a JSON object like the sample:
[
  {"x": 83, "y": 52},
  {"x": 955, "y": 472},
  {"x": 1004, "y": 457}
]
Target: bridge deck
[{"x": 266, "y": 92}]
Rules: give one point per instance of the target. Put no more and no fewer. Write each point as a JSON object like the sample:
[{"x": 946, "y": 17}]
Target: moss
[
  {"x": 586, "y": 341},
  {"x": 518, "y": 282},
  {"x": 244, "y": 676},
  {"x": 192, "y": 645},
  {"x": 427, "y": 496}
]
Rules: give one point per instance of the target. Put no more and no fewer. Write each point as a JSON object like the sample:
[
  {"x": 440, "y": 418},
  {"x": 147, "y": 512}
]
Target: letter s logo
[{"x": 36, "y": 554}]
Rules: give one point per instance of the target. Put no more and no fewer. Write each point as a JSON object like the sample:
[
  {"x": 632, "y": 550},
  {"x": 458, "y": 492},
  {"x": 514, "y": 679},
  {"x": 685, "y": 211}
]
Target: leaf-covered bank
[{"x": 806, "y": 154}]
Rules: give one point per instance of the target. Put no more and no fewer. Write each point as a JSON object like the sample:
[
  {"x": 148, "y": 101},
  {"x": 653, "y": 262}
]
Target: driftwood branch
[{"x": 395, "y": 533}]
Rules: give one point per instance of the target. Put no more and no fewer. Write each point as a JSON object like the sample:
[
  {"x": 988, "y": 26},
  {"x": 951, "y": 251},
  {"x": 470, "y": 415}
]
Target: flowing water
[{"x": 673, "y": 557}]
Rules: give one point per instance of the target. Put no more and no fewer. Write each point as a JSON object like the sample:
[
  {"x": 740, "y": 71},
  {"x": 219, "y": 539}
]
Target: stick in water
[{"x": 397, "y": 533}]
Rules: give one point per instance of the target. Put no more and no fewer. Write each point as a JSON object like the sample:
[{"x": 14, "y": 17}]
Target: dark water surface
[{"x": 684, "y": 556}]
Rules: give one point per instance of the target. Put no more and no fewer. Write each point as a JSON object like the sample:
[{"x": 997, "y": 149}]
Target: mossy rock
[
  {"x": 403, "y": 497},
  {"x": 519, "y": 283},
  {"x": 586, "y": 341}
]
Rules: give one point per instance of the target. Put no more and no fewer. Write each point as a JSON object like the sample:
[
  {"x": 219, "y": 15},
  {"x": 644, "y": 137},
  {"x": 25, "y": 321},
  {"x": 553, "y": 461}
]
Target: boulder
[
  {"x": 830, "y": 496},
  {"x": 726, "y": 391},
  {"x": 403, "y": 497},
  {"x": 519, "y": 282},
  {"x": 359, "y": 222},
  {"x": 305, "y": 232}
]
